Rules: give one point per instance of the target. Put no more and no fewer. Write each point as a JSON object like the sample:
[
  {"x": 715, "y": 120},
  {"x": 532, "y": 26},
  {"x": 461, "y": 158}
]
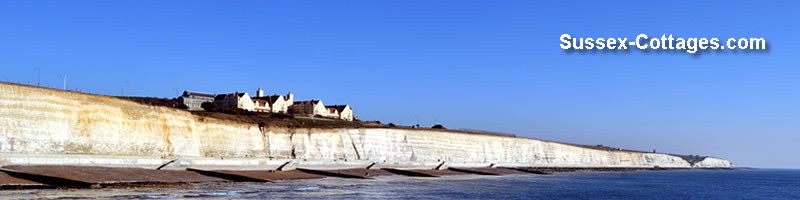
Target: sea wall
[{"x": 40, "y": 121}]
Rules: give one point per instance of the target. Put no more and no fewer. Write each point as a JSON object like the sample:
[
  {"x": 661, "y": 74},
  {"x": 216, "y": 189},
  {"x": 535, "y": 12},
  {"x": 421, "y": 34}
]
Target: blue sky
[{"x": 489, "y": 65}]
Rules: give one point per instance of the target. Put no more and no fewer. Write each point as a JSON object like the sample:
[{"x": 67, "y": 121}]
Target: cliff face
[
  {"x": 45, "y": 121},
  {"x": 711, "y": 162},
  {"x": 35, "y": 120}
]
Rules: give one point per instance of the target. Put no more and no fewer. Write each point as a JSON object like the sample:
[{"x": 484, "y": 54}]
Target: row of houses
[{"x": 268, "y": 104}]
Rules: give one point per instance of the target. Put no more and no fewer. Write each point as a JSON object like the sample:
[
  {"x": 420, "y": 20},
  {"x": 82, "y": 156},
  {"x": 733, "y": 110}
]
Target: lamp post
[{"x": 38, "y": 77}]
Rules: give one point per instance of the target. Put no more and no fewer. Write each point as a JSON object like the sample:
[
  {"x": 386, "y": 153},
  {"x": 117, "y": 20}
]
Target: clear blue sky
[{"x": 490, "y": 65}]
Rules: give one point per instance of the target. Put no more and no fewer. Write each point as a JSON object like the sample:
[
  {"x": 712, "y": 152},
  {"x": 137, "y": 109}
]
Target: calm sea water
[{"x": 691, "y": 184}]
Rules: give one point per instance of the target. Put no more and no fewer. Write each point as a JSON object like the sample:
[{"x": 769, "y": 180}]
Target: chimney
[{"x": 290, "y": 98}]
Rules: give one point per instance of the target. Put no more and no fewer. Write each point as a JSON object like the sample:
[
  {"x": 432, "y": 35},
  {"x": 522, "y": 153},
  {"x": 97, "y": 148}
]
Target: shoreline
[{"x": 23, "y": 177}]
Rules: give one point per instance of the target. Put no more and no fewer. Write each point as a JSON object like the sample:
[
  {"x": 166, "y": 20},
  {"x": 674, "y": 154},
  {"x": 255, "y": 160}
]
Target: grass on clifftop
[{"x": 283, "y": 120}]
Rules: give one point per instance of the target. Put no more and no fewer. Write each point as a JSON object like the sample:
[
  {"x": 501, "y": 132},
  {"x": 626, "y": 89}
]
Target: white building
[
  {"x": 343, "y": 112},
  {"x": 274, "y": 103},
  {"x": 315, "y": 108},
  {"x": 270, "y": 104},
  {"x": 312, "y": 108},
  {"x": 235, "y": 100}
]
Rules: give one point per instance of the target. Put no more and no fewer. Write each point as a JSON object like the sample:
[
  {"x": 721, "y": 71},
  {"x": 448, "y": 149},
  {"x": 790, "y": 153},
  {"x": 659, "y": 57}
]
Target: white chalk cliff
[{"x": 54, "y": 122}]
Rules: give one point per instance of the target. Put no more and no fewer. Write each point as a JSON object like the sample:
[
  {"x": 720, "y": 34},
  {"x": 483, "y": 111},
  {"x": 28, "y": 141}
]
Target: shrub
[
  {"x": 210, "y": 107},
  {"x": 181, "y": 106},
  {"x": 236, "y": 111},
  {"x": 281, "y": 116}
]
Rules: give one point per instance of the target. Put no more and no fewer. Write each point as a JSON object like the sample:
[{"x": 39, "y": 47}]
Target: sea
[{"x": 680, "y": 184}]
